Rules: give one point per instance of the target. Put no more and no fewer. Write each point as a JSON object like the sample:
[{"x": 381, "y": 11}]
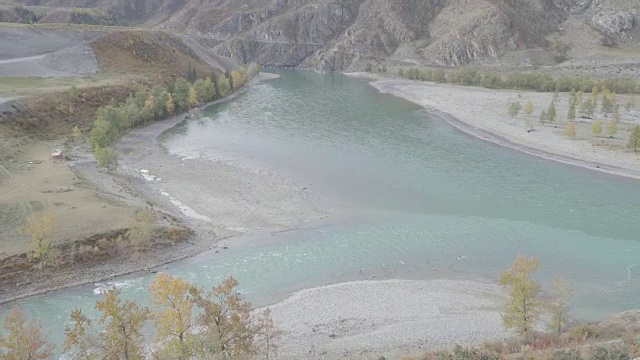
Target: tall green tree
[
  {"x": 181, "y": 94},
  {"x": 587, "y": 109},
  {"x": 612, "y": 127},
  {"x": 634, "y": 139},
  {"x": 551, "y": 112},
  {"x": 524, "y": 306},
  {"x": 571, "y": 114},
  {"x": 514, "y": 108}
]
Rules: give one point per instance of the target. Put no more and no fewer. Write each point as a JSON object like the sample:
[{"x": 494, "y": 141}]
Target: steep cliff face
[{"x": 355, "y": 34}]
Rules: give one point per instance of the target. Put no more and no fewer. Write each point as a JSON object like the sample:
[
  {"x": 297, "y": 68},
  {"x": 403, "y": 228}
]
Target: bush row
[
  {"x": 521, "y": 81},
  {"x": 159, "y": 102}
]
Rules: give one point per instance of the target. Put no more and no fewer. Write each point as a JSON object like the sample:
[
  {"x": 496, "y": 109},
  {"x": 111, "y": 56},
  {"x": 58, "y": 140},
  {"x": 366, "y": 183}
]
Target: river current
[{"x": 412, "y": 198}]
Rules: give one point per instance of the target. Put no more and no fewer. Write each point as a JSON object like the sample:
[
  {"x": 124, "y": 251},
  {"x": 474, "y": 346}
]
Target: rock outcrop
[{"x": 614, "y": 22}]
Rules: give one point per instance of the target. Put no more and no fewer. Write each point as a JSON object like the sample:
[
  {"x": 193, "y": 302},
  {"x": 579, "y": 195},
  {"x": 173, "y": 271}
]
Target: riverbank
[
  {"x": 483, "y": 113},
  {"x": 227, "y": 201},
  {"x": 368, "y": 319}
]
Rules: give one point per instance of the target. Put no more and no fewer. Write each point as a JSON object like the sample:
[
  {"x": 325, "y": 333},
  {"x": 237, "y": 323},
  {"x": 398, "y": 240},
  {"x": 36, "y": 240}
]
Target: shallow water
[{"x": 412, "y": 197}]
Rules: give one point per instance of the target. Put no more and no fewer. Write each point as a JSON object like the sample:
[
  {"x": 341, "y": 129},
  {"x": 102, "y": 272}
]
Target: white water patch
[
  {"x": 148, "y": 176},
  {"x": 104, "y": 287},
  {"x": 184, "y": 208}
]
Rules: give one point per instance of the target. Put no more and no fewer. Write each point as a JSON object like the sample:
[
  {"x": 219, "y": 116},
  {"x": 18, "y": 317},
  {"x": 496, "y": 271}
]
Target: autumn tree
[
  {"x": 634, "y": 138},
  {"x": 596, "y": 127},
  {"x": 169, "y": 105},
  {"x": 22, "y": 340},
  {"x": 226, "y": 320},
  {"x": 236, "y": 79},
  {"x": 40, "y": 227},
  {"x": 268, "y": 335},
  {"x": 171, "y": 314},
  {"x": 570, "y": 130},
  {"x": 141, "y": 230},
  {"x": 193, "y": 97},
  {"x": 528, "y": 110},
  {"x": 76, "y": 132},
  {"x": 558, "y": 306},
  {"x": 119, "y": 335},
  {"x": 224, "y": 87},
  {"x": 524, "y": 306},
  {"x": 612, "y": 127}
]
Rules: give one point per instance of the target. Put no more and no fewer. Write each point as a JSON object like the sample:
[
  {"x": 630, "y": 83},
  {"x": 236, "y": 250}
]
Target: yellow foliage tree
[
  {"x": 40, "y": 227},
  {"x": 193, "y": 97},
  {"x": 524, "y": 306},
  {"x": 236, "y": 79},
  {"x": 76, "y": 132},
  {"x": 172, "y": 314},
  {"x": 22, "y": 340},
  {"x": 141, "y": 230},
  {"x": 149, "y": 104},
  {"x": 528, "y": 110},
  {"x": 268, "y": 335},
  {"x": 169, "y": 105},
  {"x": 596, "y": 127},
  {"x": 612, "y": 127},
  {"x": 570, "y": 130},
  {"x": 227, "y": 321},
  {"x": 561, "y": 295},
  {"x": 120, "y": 335}
]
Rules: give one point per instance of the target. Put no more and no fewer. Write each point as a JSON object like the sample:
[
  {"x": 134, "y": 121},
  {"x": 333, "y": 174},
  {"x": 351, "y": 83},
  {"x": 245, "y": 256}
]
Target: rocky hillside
[{"x": 355, "y": 34}]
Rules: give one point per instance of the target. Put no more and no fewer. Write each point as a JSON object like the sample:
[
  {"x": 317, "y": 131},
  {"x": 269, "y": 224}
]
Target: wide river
[{"x": 411, "y": 197}]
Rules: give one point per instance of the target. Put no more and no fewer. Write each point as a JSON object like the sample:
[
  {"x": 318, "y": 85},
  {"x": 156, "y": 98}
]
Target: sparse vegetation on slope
[{"x": 152, "y": 56}]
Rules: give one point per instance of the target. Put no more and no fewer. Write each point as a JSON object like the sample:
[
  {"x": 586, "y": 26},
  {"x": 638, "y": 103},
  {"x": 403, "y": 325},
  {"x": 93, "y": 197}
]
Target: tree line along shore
[{"x": 536, "y": 81}]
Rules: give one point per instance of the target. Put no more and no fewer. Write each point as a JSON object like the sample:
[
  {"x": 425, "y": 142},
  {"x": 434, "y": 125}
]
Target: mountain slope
[{"x": 354, "y": 34}]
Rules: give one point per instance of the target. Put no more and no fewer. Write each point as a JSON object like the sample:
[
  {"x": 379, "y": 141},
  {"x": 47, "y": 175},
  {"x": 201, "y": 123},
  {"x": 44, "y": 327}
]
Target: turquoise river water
[{"x": 421, "y": 200}]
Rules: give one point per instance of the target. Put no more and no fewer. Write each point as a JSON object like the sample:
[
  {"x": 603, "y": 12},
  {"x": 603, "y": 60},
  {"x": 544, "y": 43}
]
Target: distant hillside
[
  {"x": 355, "y": 34},
  {"x": 153, "y": 54}
]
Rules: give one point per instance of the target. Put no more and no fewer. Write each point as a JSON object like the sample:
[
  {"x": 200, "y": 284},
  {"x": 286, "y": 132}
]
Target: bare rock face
[
  {"x": 614, "y": 22},
  {"x": 573, "y": 6}
]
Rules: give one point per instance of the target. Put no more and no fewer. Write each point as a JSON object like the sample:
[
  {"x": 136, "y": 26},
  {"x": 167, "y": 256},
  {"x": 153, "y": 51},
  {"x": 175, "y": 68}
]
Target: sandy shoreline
[
  {"x": 284, "y": 206},
  {"x": 482, "y": 113},
  {"x": 388, "y": 317}
]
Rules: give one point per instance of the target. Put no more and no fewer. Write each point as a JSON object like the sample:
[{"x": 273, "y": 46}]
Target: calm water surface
[{"x": 425, "y": 201}]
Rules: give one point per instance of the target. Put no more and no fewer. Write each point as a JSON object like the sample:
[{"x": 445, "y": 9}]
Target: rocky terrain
[{"x": 356, "y": 34}]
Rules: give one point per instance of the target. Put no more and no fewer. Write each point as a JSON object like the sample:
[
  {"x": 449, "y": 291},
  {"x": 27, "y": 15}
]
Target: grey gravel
[{"x": 387, "y": 317}]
